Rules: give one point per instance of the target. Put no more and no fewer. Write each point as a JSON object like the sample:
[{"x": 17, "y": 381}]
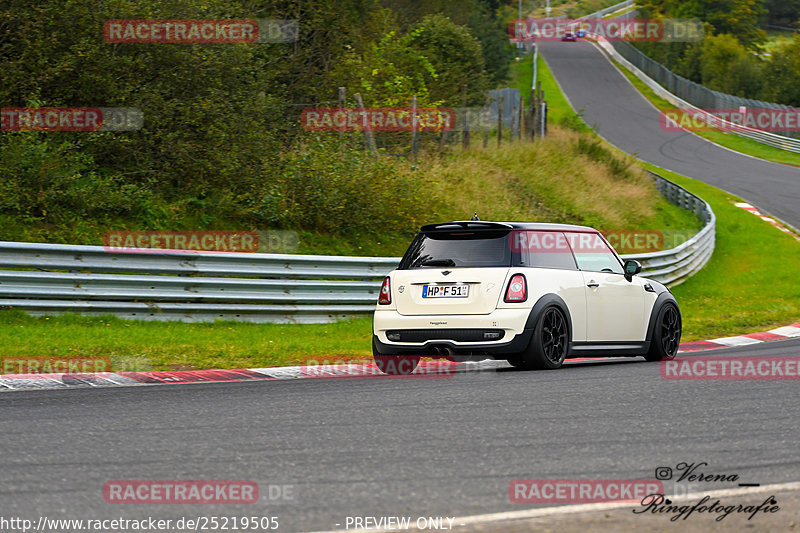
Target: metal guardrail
[
  {"x": 46, "y": 279},
  {"x": 673, "y": 267},
  {"x": 610, "y": 9},
  {"x": 187, "y": 286}
]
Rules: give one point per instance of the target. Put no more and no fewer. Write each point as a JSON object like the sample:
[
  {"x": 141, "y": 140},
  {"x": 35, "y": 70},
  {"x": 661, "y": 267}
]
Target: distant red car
[{"x": 569, "y": 36}]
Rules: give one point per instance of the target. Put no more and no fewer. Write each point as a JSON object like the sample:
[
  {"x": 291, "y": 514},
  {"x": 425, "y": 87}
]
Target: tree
[
  {"x": 782, "y": 75},
  {"x": 728, "y": 67},
  {"x": 782, "y": 12},
  {"x": 457, "y": 58},
  {"x": 739, "y": 18}
]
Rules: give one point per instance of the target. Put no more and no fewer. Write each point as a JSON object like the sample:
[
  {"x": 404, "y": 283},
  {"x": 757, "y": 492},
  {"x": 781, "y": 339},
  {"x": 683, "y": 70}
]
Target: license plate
[{"x": 445, "y": 291}]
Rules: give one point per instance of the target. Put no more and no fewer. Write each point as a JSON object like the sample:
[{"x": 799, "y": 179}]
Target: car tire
[
  {"x": 548, "y": 346},
  {"x": 666, "y": 334}
]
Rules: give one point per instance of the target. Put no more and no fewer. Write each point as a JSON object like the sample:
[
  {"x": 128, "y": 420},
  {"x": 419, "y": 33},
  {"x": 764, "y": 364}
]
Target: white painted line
[
  {"x": 735, "y": 341},
  {"x": 744, "y": 205},
  {"x": 786, "y": 331},
  {"x": 600, "y": 506}
]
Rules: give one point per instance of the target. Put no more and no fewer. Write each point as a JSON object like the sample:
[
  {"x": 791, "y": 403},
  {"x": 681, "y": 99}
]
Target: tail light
[
  {"x": 385, "y": 297},
  {"x": 517, "y": 290}
]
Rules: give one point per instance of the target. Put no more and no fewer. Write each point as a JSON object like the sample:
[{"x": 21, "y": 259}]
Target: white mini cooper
[{"x": 533, "y": 294}]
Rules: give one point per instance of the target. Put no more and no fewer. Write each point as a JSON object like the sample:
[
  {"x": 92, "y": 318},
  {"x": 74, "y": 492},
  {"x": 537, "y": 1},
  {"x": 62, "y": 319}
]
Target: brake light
[
  {"x": 517, "y": 290},
  {"x": 385, "y": 297}
]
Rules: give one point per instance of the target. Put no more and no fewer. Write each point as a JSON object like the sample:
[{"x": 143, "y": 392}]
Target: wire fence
[
  {"x": 688, "y": 95},
  {"x": 694, "y": 93}
]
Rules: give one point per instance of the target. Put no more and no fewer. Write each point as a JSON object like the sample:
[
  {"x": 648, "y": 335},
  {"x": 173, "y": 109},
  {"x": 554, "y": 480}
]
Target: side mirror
[{"x": 631, "y": 269}]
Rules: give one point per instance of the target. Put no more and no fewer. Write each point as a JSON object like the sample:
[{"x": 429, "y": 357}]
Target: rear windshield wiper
[{"x": 438, "y": 263}]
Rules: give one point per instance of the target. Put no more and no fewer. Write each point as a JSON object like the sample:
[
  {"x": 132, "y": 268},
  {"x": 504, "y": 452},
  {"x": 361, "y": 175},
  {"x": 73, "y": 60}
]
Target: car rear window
[{"x": 463, "y": 249}]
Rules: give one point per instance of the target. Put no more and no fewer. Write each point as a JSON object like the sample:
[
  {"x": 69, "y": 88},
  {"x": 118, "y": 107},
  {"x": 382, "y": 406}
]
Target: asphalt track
[
  {"x": 613, "y": 107},
  {"x": 376, "y": 447}
]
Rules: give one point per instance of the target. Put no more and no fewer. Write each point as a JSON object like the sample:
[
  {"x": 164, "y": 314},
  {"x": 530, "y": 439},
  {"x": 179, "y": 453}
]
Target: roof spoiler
[{"x": 472, "y": 225}]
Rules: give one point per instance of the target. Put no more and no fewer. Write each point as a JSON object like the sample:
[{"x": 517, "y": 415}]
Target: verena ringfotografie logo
[
  {"x": 378, "y": 119},
  {"x": 181, "y": 241},
  {"x": 70, "y": 119},
  {"x": 764, "y": 119},
  {"x": 615, "y": 29},
  {"x": 689, "y": 482},
  {"x": 180, "y": 492},
  {"x": 581, "y": 490},
  {"x": 200, "y": 31},
  {"x": 54, "y": 365},
  {"x": 712, "y": 368}
]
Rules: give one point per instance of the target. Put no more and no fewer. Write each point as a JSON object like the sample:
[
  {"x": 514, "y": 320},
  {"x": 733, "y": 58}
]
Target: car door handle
[{"x": 593, "y": 284}]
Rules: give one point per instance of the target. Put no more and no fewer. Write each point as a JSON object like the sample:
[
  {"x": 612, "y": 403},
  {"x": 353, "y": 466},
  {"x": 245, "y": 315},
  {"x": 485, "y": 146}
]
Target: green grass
[
  {"x": 142, "y": 345},
  {"x": 546, "y": 180},
  {"x": 728, "y": 140}
]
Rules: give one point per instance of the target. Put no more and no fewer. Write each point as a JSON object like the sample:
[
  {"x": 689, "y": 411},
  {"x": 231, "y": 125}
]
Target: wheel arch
[
  {"x": 539, "y": 307},
  {"x": 663, "y": 299}
]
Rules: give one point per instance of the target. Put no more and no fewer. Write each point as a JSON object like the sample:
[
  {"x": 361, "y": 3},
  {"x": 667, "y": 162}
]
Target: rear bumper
[
  {"x": 498, "y": 350},
  {"x": 512, "y": 321}
]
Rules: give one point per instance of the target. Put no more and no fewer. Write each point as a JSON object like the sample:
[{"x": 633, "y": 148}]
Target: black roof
[{"x": 478, "y": 225}]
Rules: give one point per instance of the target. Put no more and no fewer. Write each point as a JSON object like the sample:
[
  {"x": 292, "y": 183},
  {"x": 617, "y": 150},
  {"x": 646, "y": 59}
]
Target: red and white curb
[
  {"x": 776, "y": 223},
  {"x": 785, "y": 332},
  {"x": 426, "y": 369}
]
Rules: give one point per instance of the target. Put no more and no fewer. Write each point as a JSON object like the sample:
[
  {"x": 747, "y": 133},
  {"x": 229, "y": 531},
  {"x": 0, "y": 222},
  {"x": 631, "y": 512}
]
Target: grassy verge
[
  {"x": 140, "y": 345},
  {"x": 546, "y": 180},
  {"x": 728, "y": 140}
]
